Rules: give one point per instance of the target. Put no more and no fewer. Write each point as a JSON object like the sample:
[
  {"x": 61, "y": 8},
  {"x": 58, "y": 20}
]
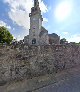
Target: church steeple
[
  {"x": 35, "y": 24},
  {"x": 36, "y": 3},
  {"x": 36, "y": 9}
]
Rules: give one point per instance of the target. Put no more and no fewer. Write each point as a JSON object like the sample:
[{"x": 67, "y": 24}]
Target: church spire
[
  {"x": 36, "y": 3},
  {"x": 35, "y": 9}
]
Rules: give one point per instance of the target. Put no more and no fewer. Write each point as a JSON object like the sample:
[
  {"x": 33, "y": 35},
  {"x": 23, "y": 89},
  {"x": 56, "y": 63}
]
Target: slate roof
[{"x": 53, "y": 35}]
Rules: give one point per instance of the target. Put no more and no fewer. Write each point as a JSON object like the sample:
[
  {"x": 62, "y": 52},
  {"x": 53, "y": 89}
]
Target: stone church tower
[{"x": 38, "y": 35}]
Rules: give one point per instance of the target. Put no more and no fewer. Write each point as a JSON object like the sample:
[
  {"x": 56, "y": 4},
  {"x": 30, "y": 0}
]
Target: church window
[
  {"x": 34, "y": 27},
  {"x": 34, "y": 41}
]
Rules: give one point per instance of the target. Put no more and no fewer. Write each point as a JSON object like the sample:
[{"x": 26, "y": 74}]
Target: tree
[
  {"x": 63, "y": 41},
  {"x": 5, "y": 35}
]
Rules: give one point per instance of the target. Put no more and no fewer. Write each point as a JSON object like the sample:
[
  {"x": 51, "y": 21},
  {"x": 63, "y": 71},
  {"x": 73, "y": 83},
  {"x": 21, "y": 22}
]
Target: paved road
[{"x": 72, "y": 84}]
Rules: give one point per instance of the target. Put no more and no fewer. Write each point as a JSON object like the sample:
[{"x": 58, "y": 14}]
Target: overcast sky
[{"x": 60, "y": 16}]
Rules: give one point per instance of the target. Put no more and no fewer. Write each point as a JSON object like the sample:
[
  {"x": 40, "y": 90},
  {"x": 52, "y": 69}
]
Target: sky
[{"x": 59, "y": 16}]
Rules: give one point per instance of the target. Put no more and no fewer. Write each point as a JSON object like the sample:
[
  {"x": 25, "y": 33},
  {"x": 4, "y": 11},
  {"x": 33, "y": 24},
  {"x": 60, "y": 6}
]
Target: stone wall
[{"x": 33, "y": 61}]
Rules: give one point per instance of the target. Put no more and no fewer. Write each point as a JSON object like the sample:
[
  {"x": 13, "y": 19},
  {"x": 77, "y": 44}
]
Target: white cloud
[
  {"x": 19, "y": 37},
  {"x": 2, "y": 23},
  {"x": 45, "y": 20},
  {"x": 21, "y": 18},
  {"x": 20, "y": 9},
  {"x": 74, "y": 38},
  {"x": 65, "y": 33},
  {"x": 43, "y": 7}
]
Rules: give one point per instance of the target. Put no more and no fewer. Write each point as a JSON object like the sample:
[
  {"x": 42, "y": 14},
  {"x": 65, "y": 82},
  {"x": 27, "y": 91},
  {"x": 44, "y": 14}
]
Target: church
[{"x": 38, "y": 35}]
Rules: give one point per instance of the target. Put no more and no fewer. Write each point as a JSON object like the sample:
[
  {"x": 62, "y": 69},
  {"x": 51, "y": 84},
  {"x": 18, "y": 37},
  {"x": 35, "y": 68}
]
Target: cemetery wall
[{"x": 17, "y": 63}]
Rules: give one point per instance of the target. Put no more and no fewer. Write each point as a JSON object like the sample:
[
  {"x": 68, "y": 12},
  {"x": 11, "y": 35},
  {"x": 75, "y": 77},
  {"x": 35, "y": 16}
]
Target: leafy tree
[
  {"x": 5, "y": 35},
  {"x": 63, "y": 41},
  {"x": 78, "y": 43}
]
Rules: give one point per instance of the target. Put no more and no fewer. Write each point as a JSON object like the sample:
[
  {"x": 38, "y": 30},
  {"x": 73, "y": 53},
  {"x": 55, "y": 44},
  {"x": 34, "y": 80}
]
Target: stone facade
[
  {"x": 32, "y": 61},
  {"x": 44, "y": 38},
  {"x": 54, "y": 39}
]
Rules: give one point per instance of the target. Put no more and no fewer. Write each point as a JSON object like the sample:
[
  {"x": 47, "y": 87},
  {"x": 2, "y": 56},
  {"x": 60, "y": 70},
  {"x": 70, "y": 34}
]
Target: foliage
[
  {"x": 78, "y": 43},
  {"x": 62, "y": 41},
  {"x": 5, "y": 35}
]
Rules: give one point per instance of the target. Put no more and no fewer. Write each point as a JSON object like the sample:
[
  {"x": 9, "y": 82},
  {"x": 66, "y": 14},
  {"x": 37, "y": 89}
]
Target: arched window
[{"x": 34, "y": 41}]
